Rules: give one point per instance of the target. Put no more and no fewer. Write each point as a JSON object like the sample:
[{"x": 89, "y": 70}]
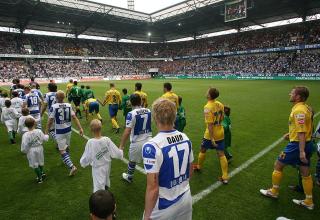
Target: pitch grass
[{"x": 259, "y": 116}]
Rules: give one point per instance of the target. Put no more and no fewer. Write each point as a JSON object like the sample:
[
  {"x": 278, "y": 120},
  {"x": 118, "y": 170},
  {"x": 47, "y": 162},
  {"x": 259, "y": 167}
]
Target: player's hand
[
  {"x": 81, "y": 132},
  {"x": 214, "y": 143},
  {"x": 286, "y": 136},
  {"x": 303, "y": 157}
]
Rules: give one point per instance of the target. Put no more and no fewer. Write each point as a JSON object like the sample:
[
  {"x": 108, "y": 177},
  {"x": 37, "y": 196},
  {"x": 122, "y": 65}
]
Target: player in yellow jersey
[
  {"x": 299, "y": 149},
  {"x": 69, "y": 86},
  {"x": 143, "y": 95},
  {"x": 214, "y": 134},
  {"x": 91, "y": 107},
  {"x": 168, "y": 94},
  {"x": 113, "y": 99}
]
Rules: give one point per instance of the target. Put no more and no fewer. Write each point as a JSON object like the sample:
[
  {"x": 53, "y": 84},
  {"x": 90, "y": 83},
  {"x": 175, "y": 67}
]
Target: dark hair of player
[
  {"x": 111, "y": 85},
  {"x": 25, "y": 111},
  {"x": 75, "y": 83},
  {"x": 303, "y": 92},
  {"x": 179, "y": 100},
  {"x": 135, "y": 100},
  {"x": 125, "y": 91},
  {"x": 227, "y": 110},
  {"x": 213, "y": 93},
  {"x": 7, "y": 103},
  {"x": 29, "y": 122},
  {"x": 138, "y": 86},
  {"x": 5, "y": 94},
  {"x": 52, "y": 87},
  {"x": 71, "y": 80},
  {"x": 102, "y": 204},
  {"x": 15, "y": 94},
  {"x": 87, "y": 87},
  {"x": 20, "y": 86},
  {"x": 82, "y": 86},
  {"x": 167, "y": 86},
  {"x": 32, "y": 79}
]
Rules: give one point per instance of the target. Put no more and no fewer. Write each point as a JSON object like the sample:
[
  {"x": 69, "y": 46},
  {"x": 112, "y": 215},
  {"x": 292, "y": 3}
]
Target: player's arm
[
  {"x": 49, "y": 124},
  {"x": 125, "y": 137},
  {"x": 302, "y": 145},
  {"x": 86, "y": 159},
  {"x": 152, "y": 192},
  {"x": 24, "y": 145},
  {"x": 78, "y": 124},
  {"x": 43, "y": 108},
  {"x": 210, "y": 128},
  {"x": 115, "y": 152},
  {"x": 106, "y": 99}
]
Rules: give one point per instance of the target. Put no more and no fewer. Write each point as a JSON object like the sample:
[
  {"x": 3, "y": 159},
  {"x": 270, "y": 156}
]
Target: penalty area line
[{"x": 197, "y": 197}]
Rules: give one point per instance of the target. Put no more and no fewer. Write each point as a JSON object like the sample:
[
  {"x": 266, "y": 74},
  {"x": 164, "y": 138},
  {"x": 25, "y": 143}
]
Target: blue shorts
[
  {"x": 94, "y": 107},
  {"x": 291, "y": 154},
  {"x": 207, "y": 144},
  {"x": 113, "y": 110}
]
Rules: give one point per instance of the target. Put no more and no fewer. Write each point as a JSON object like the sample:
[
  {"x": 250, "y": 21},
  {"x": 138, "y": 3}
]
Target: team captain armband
[{"x": 300, "y": 118}]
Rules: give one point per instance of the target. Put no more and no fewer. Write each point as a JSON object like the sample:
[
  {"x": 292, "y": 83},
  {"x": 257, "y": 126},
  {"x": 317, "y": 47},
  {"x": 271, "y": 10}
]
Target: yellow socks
[
  {"x": 224, "y": 167},
  {"x": 99, "y": 116},
  {"x": 276, "y": 179},
  {"x": 307, "y": 187},
  {"x": 201, "y": 158},
  {"x": 114, "y": 123}
]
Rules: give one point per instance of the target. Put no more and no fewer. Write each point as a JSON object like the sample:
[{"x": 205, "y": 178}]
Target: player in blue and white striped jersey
[
  {"x": 20, "y": 90},
  {"x": 61, "y": 114},
  {"x": 49, "y": 100},
  {"x": 33, "y": 102},
  {"x": 167, "y": 161},
  {"x": 138, "y": 127},
  {"x": 36, "y": 91}
]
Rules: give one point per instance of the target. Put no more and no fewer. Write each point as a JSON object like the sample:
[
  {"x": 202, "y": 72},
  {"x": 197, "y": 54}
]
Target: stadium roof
[{"x": 189, "y": 18}]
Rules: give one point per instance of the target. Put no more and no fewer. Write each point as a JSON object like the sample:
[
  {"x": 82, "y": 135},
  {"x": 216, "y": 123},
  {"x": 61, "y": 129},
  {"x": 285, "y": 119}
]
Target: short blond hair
[
  {"x": 164, "y": 111},
  {"x": 95, "y": 125},
  {"x": 60, "y": 95}
]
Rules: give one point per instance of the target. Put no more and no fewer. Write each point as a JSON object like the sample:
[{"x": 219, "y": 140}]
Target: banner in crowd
[
  {"x": 239, "y": 76},
  {"x": 253, "y": 51},
  {"x": 82, "y": 79}
]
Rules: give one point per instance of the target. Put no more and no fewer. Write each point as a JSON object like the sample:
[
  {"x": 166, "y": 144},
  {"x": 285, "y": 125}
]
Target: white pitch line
[{"x": 197, "y": 197}]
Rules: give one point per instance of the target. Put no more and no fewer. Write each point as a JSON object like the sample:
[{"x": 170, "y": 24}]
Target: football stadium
[{"x": 162, "y": 110}]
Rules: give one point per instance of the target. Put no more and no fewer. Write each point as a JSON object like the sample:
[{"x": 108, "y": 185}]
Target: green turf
[{"x": 259, "y": 115}]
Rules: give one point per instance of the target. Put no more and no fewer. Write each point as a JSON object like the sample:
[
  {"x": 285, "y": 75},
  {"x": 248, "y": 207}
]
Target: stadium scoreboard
[{"x": 235, "y": 10}]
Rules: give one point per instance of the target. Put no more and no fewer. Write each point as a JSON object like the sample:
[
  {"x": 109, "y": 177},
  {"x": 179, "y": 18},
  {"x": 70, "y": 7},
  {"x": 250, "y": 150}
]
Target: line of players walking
[{"x": 167, "y": 157}]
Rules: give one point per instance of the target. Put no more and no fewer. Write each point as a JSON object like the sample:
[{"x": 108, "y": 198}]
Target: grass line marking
[{"x": 197, "y": 197}]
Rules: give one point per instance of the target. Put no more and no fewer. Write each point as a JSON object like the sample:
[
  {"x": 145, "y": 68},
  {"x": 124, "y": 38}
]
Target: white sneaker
[
  {"x": 268, "y": 193},
  {"x": 125, "y": 176},
  {"x": 73, "y": 171},
  {"x": 301, "y": 203}
]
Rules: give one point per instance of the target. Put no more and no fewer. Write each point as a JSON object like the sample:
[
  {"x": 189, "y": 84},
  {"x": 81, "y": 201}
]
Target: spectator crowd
[{"x": 303, "y": 61}]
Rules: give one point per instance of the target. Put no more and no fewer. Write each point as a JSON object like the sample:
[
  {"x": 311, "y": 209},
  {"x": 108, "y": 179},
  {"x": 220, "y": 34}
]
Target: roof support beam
[
  {"x": 23, "y": 22},
  {"x": 92, "y": 21}
]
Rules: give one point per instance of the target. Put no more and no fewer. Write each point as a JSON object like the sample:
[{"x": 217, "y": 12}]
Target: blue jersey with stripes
[
  {"x": 170, "y": 155},
  {"x": 33, "y": 103},
  {"x": 62, "y": 114},
  {"x": 20, "y": 92},
  {"x": 139, "y": 120},
  {"x": 50, "y": 99}
]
